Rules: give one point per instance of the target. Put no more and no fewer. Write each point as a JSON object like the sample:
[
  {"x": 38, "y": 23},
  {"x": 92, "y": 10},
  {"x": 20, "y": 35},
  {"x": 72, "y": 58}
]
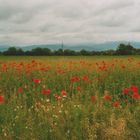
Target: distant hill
[
  {"x": 50, "y": 46},
  {"x": 77, "y": 47},
  {"x": 3, "y": 48},
  {"x": 87, "y": 46}
]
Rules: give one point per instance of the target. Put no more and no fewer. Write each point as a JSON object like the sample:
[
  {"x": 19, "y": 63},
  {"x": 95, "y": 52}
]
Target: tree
[
  {"x": 47, "y": 51},
  {"x": 58, "y": 52},
  {"x": 84, "y": 52},
  {"x": 41, "y": 51},
  {"x": 68, "y": 52},
  {"x": 125, "y": 49},
  {"x": 19, "y": 52},
  {"x": 10, "y": 51},
  {"x": 122, "y": 49}
]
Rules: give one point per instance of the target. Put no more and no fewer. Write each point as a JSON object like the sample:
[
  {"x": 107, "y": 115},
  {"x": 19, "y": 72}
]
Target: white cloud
[{"x": 41, "y": 21}]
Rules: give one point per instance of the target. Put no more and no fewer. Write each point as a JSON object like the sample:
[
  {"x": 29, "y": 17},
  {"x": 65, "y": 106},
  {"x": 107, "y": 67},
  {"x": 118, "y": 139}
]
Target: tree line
[{"x": 122, "y": 49}]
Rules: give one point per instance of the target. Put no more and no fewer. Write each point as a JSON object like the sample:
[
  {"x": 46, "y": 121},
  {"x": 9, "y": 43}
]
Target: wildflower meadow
[{"x": 70, "y": 98}]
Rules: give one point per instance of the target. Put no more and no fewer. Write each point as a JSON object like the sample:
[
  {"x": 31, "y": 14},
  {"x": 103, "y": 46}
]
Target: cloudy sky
[{"x": 25, "y": 22}]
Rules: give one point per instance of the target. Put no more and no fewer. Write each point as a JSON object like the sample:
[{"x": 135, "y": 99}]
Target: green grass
[{"x": 33, "y": 115}]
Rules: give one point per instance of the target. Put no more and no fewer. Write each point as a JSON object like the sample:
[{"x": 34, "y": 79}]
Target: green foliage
[
  {"x": 125, "y": 49},
  {"x": 122, "y": 49}
]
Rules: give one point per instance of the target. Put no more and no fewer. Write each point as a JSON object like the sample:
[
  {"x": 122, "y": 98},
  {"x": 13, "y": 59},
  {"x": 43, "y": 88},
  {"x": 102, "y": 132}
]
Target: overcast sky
[{"x": 25, "y": 22}]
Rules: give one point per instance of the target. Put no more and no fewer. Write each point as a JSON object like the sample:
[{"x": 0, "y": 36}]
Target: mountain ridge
[{"x": 75, "y": 47}]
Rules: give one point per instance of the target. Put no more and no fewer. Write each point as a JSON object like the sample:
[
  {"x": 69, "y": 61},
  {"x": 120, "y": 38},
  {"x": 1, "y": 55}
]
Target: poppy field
[{"x": 70, "y": 98}]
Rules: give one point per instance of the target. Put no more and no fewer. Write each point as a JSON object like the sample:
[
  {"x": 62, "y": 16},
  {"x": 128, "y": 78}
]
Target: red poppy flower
[
  {"x": 134, "y": 88},
  {"x": 20, "y": 90},
  {"x": 78, "y": 88},
  {"x": 125, "y": 90},
  {"x": 57, "y": 97},
  {"x": 37, "y": 81},
  {"x": 93, "y": 98},
  {"x": 2, "y": 99},
  {"x": 116, "y": 104},
  {"x": 64, "y": 93},
  {"x": 135, "y": 95},
  {"x": 85, "y": 78},
  {"x": 46, "y": 91},
  {"x": 107, "y": 97},
  {"x": 75, "y": 79}
]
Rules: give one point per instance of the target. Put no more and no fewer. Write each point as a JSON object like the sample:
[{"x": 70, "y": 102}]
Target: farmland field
[{"x": 70, "y": 98}]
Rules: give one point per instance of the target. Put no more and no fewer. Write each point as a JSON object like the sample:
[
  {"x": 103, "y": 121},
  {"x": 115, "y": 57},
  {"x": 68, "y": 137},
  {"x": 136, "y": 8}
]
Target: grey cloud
[
  {"x": 41, "y": 21},
  {"x": 136, "y": 29},
  {"x": 7, "y": 12}
]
